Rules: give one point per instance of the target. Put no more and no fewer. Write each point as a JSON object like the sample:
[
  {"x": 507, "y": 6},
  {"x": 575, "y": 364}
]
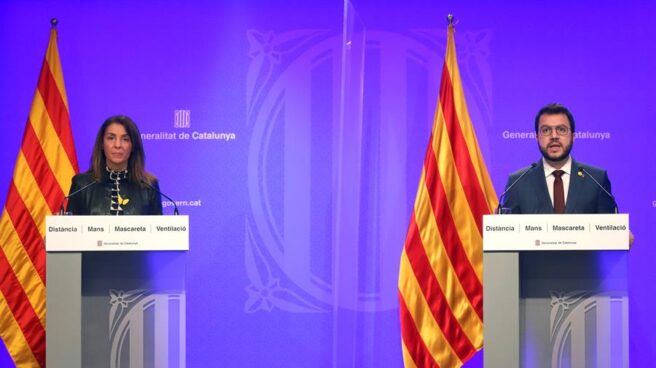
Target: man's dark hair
[{"x": 555, "y": 109}]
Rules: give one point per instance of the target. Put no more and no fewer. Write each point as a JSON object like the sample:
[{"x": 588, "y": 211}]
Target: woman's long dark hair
[{"x": 136, "y": 162}]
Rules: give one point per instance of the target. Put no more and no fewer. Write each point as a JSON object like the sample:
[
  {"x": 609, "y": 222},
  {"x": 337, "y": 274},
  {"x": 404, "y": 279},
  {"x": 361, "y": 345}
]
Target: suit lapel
[
  {"x": 575, "y": 183},
  {"x": 540, "y": 182}
]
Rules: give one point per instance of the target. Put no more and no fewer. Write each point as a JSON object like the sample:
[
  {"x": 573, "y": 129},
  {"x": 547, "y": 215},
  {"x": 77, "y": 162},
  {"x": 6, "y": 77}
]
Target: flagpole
[
  {"x": 432, "y": 280},
  {"x": 48, "y": 145}
]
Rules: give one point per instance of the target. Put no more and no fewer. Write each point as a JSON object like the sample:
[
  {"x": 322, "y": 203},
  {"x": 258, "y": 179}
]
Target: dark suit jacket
[{"x": 531, "y": 196}]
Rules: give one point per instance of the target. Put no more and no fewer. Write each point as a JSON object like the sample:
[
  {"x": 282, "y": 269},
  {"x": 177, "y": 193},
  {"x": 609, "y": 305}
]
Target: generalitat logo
[
  {"x": 182, "y": 118},
  {"x": 323, "y": 229}
]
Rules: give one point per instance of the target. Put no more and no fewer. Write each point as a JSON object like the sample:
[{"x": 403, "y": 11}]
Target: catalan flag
[
  {"x": 44, "y": 168},
  {"x": 441, "y": 272}
]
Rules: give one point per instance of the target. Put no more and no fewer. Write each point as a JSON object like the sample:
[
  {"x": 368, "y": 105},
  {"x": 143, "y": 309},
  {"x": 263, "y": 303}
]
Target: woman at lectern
[{"x": 117, "y": 182}]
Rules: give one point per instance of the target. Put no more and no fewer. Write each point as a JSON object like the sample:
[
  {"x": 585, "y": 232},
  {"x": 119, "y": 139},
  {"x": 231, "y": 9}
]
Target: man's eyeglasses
[{"x": 546, "y": 131}]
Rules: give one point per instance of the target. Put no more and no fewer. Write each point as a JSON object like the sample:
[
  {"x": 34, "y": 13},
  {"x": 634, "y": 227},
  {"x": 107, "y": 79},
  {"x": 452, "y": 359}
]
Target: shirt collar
[{"x": 567, "y": 168}]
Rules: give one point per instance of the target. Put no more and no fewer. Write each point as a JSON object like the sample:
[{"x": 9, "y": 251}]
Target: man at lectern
[
  {"x": 117, "y": 182},
  {"x": 557, "y": 183}
]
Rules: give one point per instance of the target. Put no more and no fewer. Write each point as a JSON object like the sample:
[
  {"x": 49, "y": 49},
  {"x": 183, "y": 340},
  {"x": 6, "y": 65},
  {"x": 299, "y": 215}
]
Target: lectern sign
[
  {"x": 555, "y": 232},
  {"x": 116, "y": 233}
]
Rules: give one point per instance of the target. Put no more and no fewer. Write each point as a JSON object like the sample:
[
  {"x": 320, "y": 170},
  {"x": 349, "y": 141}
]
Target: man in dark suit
[{"x": 557, "y": 183}]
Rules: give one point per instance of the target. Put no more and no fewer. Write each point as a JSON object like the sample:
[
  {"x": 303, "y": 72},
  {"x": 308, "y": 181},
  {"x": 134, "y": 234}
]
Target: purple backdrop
[{"x": 299, "y": 208}]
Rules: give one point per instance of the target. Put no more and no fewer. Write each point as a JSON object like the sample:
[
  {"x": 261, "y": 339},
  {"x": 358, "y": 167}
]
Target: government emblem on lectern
[
  {"x": 587, "y": 328},
  {"x": 147, "y": 327}
]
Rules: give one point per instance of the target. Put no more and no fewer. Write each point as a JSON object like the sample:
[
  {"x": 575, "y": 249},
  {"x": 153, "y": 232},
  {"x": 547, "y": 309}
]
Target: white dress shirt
[{"x": 548, "y": 174}]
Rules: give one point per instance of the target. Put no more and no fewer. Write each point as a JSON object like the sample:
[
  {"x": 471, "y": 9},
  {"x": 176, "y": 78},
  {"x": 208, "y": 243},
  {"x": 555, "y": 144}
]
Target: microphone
[
  {"x": 61, "y": 207},
  {"x": 582, "y": 171},
  {"x": 503, "y": 195},
  {"x": 175, "y": 206}
]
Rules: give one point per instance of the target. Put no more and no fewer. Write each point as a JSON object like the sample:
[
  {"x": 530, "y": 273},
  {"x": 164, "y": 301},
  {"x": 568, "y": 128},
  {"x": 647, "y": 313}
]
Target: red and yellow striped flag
[
  {"x": 44, "y": 168},
  {"x": 440, "y": 278}
]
